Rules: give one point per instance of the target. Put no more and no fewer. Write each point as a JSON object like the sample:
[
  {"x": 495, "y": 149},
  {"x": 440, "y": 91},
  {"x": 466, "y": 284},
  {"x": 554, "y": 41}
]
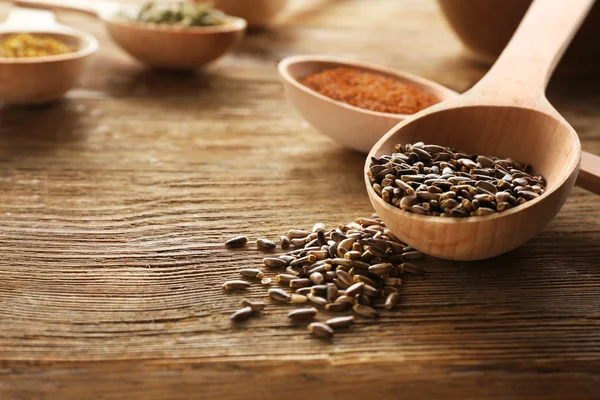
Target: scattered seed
[
  {"x": 320, "y": 330},
  {"x": 272, "y": 262},
  {"x": 365, "y": 310},
  {"x": 299, "y": 282},
  {"x": 413, "y": 269},
  {"x": 381, "y": 269},
  {"x": 257, "y": 306},
  {"x": 238, "y": 241},
  {"x": 242, "y": 314},
  {"x": 317, "y": 299},
  {"x": 355, "y": 289},
  {"x": 285, "y": 242},
  {"x": 317, "y": 278},
  {"x": 279, "y": 295},
  {"x": 265, "y": 244},
  {"x": 266, "y": 281},
  {"x": 340, "y": 322},
  {"x": 391, "y": 301},
  {"x": 236, "y": 285},
  {"x": 302, "y": 314},
  {"x": 337, "y": 307},
  {"x": 413, "y": 255},
  {"x": 252, "y": 273},
  {"x": 284, "y": 279},
  {"x": 297, "y": 234}
]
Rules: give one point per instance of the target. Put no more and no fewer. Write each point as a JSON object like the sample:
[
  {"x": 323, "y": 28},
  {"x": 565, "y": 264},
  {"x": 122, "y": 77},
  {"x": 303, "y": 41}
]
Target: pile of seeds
[
  {"x": 356, "y": 267},
  {"x": 440, "y": 181}
]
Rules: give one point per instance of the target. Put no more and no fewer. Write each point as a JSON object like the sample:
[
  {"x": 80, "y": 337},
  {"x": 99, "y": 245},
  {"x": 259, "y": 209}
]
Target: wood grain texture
[{"x": 116, "y": 201}]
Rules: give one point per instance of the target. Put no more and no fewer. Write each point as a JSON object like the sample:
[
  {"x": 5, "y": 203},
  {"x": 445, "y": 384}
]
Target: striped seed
[
  {"x": 413, "y": 255},
  {"x": 365, "y": 310},
  {"x": 345, "y": 299},
  {"x": 337, "y": 307},
  {"x": 252, "y": 273},
  {"x": 284, "y": 279},
  {"x": 381, "y": 269},
  {"x": 364, "y": 279},
  {"x": 317, "y": 278},
  {"x": 302, "y": 314},
  {"x": 242, "y": 314},
  {"x": 332, "y": 293},
  {"x": 340, "y": 322},
  {"x": 265, "y": 244},
  {"x": 235, "y": 285},
  {"x": 345, "y": 277},
  {"x": 317, "y": 299},
  {"x": 298, "y": 298},
  {"x": 303, "y": 290},
  {"x": 320, "y": 330},
  {"x": 279, "y": 295},
  {"x": 308, "y": 259},
  {"x": 355, "y": 289},
  {"x": 238, "y": 241},
  {"x": 391, "y": 301},
  {"x": 300, "y": 282},
  {"x": 297, "y": 234},
  {"x": 273, "y": 262},
  {"x": 257, "y": 306},
  {"x": 412, "y": 269}
]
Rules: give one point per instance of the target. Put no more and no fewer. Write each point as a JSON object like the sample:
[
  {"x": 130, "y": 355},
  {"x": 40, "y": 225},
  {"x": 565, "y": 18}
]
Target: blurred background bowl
[
  {"x": 256, "y": 12},
  {"x": 486, "y": 26}
]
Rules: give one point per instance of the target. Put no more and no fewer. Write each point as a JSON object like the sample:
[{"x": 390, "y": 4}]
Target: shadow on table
[
  {"x": 157, "y": 84},
  {"x": 35, "y": 129}
]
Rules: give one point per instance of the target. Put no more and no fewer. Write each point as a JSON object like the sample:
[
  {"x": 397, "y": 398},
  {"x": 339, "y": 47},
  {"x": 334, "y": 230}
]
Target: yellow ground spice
[
  {"x": 369, "y": 91},
  {"x": 27, "y": 45}
]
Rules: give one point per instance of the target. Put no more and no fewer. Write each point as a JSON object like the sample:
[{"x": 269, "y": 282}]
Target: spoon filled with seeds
[{"x": 498, "y": 161}]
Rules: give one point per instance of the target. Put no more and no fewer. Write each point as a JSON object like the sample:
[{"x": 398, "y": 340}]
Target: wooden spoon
[
  {"x": 35, "y": 80},
  {"x": 158, "y": 46},
  {"x": 507, "y": 115},
  {"x": 353, "y": 127}
]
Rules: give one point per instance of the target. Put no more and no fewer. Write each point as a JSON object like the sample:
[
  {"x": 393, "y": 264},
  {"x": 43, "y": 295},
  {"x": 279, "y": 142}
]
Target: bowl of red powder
[{"x": 355, "y": 103}]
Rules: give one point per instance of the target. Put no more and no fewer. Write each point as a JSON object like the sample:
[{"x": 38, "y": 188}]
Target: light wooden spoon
[
  {"x": 36, "y": 80},
  {"x": 507, "y": 115},
  {"x": 158, "y": 46},
  {"x": 353, "y": 127}
]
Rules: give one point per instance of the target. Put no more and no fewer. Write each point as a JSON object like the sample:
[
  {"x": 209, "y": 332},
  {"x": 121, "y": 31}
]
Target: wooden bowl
[
  {"x": 173, "y": 48},
  {"x": 353, "y": 127},
  {"x": 256, "y": 12},
  {"x": 38, "y": 80},
  {"x": 486, "y": 26}
]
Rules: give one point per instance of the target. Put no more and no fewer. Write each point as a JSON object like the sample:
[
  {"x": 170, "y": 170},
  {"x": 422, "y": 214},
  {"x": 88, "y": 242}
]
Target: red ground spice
[{"x": 369, "y": 91}]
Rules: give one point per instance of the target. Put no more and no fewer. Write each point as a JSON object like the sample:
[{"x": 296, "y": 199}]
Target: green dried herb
[{"x": 184, "y": 14}]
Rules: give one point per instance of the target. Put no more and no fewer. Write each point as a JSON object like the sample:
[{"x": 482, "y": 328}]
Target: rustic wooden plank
[{"x": 116, "y": 201}]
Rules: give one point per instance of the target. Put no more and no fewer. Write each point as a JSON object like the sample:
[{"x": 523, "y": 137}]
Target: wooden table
[{"x": 115, "y": 204}]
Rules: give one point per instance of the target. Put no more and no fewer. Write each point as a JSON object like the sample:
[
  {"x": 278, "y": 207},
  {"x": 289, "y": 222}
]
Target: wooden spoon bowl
[
  {"x": 505, "y": 115},
  {"x": 353, "y": 127},
  {"x": 38, "y": 80},
  {"x": 158, "y": 46},
  {"x": 540, "y": 138}
]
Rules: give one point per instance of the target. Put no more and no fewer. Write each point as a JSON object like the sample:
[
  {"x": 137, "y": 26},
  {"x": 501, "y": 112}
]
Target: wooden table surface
[{"x": 115, "y": 203}]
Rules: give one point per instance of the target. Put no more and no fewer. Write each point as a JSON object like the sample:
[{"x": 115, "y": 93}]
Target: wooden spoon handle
[
  {"x": 102, "y": 9},
  {"x": 520, "y": 75},
  {"x": 589, "y": 174}
]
